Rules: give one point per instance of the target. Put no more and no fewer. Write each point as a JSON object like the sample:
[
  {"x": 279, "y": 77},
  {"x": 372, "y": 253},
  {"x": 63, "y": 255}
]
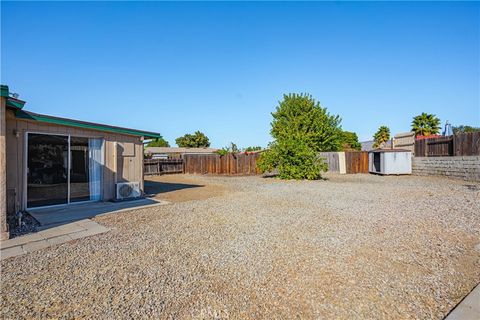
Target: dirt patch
[{"x": 180, "y": 188}]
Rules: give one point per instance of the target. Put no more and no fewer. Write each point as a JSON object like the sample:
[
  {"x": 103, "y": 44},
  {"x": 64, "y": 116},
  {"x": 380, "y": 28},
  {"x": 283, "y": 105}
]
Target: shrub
[
  {"x": 465, "y": 129},
  {"x": 293, "y": 159},
  {"x": 301, "y": 128},
  {"x": 252, "y": 149},
  {"x": 233, "y": 149}
]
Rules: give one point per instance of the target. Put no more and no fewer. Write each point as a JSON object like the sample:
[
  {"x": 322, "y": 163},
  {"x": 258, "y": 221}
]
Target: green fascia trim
[
  {"x": 15, "y": 104},
  {"x": 81, "y": 124},
  {"x": 4, "y": 90}
]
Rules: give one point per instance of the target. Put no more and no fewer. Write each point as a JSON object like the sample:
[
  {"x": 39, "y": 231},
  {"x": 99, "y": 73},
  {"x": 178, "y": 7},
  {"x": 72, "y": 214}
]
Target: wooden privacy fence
[
  {"x": 346, "y": 162},
  {"x": 230, "y": 164},
  {"x": 434, "y": 147},
  {"x": 246, "y": 164},
  {"x": 462, "y": 144},
  {"x": 162, "y": 166},
  {"x": 466, "y": 144},
  {"x": 356, "y": 162},
  {"x": 332, "y": 159}
]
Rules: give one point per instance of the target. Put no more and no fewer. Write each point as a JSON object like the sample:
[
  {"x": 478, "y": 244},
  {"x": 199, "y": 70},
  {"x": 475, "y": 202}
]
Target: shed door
[{"x": 376, "y": 162}]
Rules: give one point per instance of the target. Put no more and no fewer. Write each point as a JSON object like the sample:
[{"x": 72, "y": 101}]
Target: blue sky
[{"x": 222, "y": 67}]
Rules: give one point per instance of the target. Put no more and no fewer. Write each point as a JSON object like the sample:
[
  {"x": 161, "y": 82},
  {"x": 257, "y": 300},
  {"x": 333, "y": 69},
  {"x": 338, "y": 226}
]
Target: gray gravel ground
[{"x": 357, "y": 246}]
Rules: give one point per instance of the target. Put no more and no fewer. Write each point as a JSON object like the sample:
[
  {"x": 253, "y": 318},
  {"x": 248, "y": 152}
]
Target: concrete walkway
[
  {"x": 50, "y": 237},
  {"x": 468, "y": 308},
  {"x": 54, "y": 216}
]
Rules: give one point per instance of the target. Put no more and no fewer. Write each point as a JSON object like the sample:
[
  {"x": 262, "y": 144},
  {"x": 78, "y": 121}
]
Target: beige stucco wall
[
  {"x": 3, "y": 190},
  {"x": 404, "y": 141},
  {"x": 119, "y": 166}
]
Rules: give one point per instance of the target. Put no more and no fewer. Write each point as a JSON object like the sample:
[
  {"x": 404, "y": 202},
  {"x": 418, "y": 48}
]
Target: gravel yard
[{"x": 356, "y": 246}]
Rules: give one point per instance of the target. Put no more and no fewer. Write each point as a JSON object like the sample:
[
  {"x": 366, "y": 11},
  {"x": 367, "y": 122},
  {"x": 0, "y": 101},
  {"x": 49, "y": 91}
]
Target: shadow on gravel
[
  {"x": 152, "y": 188},
  {"x": 276, "y": 176},
  {"x": 270, "y": 175},
  {"x": 472, "y": 187}
]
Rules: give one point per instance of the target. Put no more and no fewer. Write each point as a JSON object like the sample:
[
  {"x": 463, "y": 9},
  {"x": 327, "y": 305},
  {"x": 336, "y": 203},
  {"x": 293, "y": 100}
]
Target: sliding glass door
[
  {"x": 47, "y": 171},
  {"x": 79, "y": 170},
  {"x": 63, "y": 169}
]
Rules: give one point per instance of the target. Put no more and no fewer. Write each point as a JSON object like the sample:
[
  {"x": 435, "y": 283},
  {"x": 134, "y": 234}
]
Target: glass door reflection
[
  {"x": 47, "y": 170},
  {"x": 79, "y": 169}
]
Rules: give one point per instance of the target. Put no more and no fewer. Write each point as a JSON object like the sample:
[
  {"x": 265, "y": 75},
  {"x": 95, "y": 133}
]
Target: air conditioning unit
[
  {"x": 390, "y": 161},
  {"x": 128, "y": 190}
]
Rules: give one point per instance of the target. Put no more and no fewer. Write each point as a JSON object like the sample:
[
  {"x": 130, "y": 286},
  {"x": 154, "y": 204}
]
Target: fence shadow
[{"x": 152, "y": 188}]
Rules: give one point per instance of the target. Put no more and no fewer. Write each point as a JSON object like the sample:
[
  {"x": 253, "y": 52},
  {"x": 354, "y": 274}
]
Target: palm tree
[
  {"x": 425, "y": 124},
  {"x": 381, "y": 136}
]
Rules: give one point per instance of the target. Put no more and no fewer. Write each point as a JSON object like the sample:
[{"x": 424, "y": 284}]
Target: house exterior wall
[
  {"x": 123, "y": 156},
  {"x": 3, "y": 172}
]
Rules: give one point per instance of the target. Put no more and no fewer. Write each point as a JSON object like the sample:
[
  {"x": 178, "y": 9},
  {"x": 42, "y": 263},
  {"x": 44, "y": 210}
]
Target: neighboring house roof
[
  {"x": 368, "y": 145},
  {"x": 17, "y": 106},
  {"x": 166, "y": 150}
]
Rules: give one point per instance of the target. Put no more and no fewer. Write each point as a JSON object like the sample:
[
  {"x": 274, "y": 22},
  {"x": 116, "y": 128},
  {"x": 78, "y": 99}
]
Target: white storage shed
[{"x": 390, "y": 161}]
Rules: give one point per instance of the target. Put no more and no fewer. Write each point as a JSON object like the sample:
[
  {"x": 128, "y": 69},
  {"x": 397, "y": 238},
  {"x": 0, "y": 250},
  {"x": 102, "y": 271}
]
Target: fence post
[
  {"x": 454, "y": 145},
  {"x": 342, "y": 168},
  {"x": 451, "y": 150}
]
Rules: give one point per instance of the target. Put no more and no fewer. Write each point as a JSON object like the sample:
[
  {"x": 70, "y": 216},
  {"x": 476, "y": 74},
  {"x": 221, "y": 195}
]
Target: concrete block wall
[{"x": 463, "y": 167}]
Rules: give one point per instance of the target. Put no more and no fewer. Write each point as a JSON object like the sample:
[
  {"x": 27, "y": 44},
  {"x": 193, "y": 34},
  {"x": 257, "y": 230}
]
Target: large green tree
[
  {"x": 425, "y": 124},
  {"x": 196, "y": 140},
  {"x": 381, "y": 136},
  {"x": 350, "y": 141},
  {"x": 301, "y": 128},
  {"x": 158, "y": 142}
]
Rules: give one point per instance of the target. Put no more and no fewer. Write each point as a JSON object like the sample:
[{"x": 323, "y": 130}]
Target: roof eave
[
  {"x": 15, "y": 103},
  {"x": 82, "y": 124},
  {"x": 4, "y": 92}
]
